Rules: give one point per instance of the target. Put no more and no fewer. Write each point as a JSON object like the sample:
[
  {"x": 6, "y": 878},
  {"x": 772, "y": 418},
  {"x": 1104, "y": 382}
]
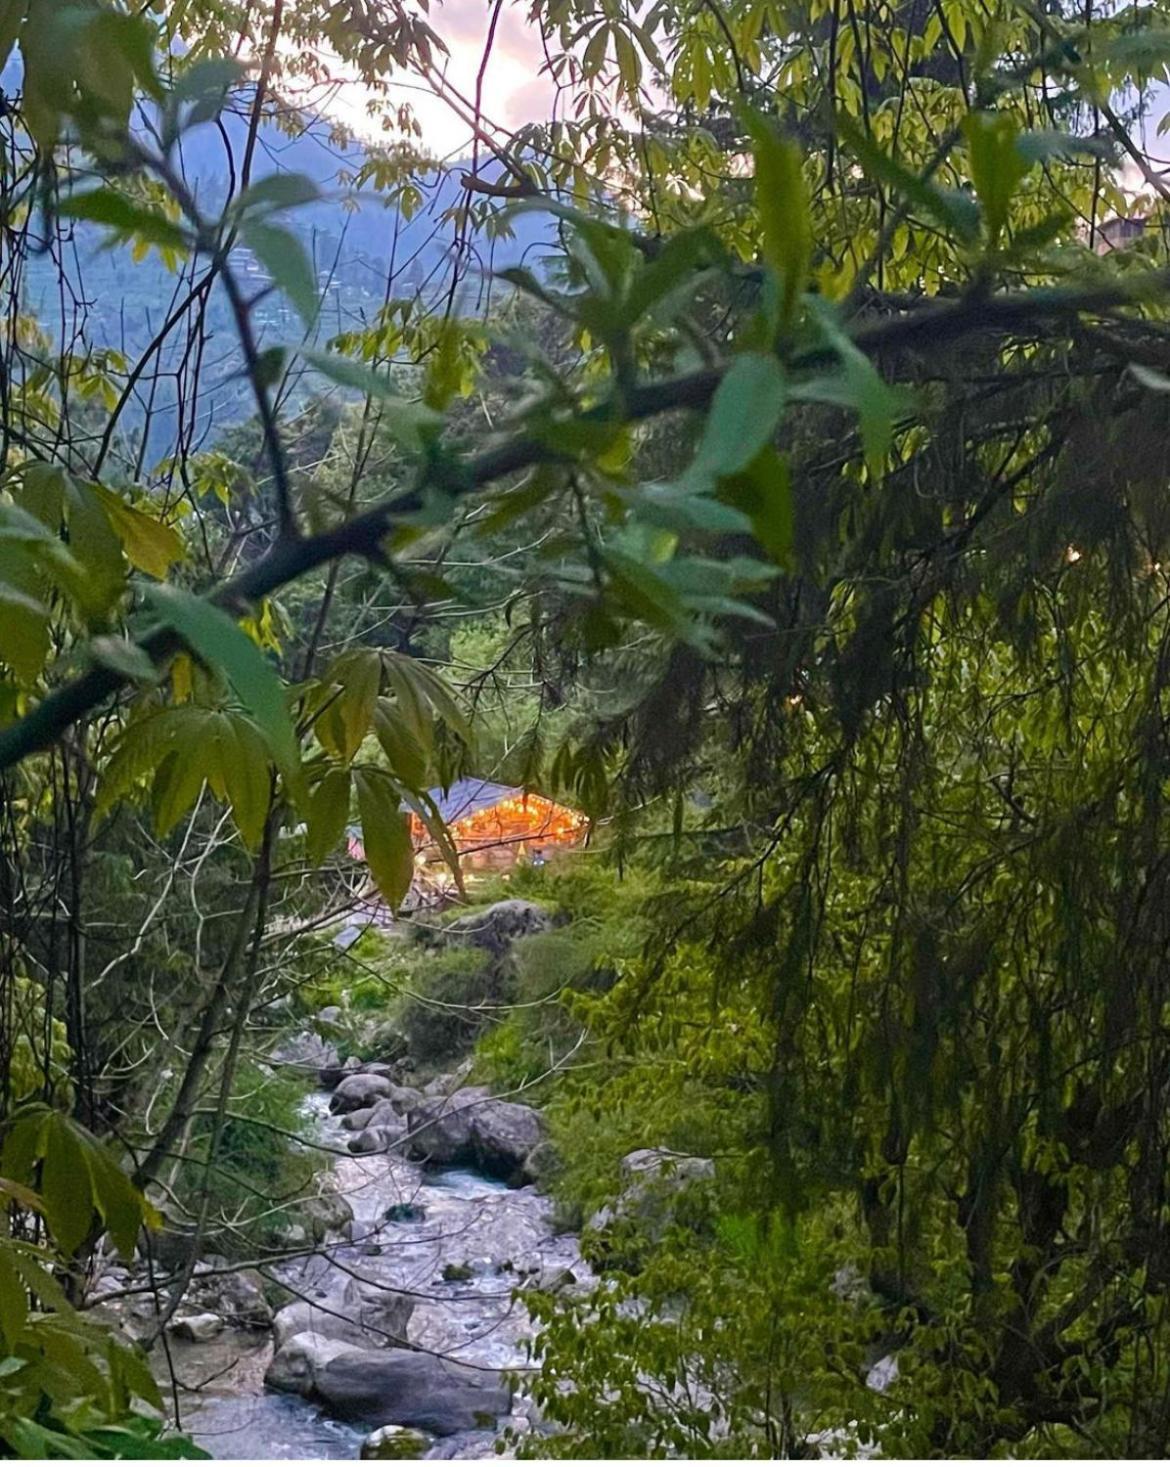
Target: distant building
[
  {"x": 1116, "y": 233},
  {"x": 492, "y": 826}
]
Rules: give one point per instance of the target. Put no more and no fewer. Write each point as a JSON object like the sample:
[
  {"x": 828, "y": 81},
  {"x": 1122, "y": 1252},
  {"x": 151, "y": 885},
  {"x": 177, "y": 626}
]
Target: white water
[{"x": 467, "y": 1219}]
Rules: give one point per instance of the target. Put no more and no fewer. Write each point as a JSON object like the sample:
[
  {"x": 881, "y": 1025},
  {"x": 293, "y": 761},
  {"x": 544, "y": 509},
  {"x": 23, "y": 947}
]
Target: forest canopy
[{"x": 765, "y": 454}]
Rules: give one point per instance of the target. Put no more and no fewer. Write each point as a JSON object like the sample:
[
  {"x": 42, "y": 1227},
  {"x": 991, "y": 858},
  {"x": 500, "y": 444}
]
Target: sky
[{"x": 514, "y": 91}]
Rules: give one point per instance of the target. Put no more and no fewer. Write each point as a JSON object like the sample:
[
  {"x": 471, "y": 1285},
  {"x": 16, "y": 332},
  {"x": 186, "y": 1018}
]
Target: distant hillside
[{"x": 355, "y": 241}]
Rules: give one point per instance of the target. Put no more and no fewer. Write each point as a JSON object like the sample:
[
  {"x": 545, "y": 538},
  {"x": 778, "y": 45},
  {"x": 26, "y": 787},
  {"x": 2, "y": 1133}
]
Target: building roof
[{"x": 470, "y": 796}]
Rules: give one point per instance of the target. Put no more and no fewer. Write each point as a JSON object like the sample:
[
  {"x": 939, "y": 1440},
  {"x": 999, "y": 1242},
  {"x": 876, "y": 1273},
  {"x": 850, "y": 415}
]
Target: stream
[{"x": 450, "y": 1219}]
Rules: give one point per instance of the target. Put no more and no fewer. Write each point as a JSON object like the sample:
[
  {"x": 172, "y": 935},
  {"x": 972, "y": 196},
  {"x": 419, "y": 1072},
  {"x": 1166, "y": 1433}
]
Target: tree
[{"x": 836, "y": 463}]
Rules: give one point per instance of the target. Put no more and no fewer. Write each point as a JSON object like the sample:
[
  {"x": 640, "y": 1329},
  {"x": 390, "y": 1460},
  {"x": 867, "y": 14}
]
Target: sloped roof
[{"x": 470, "y": 796}]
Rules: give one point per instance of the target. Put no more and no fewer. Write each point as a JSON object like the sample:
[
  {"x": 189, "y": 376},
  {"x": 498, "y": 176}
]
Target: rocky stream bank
[{"x": 407, "y": 1317}]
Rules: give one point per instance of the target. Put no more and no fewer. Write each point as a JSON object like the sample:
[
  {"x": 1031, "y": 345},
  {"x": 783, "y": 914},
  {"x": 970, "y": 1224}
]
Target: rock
[
  {"x": 394, "y": 1444},
  {"x": 544, "y": 1163},
  {"x": 409, "y": 1388},
  {"x": 356, "y": 1092},
  {"x": 236, "y": 1297},
  {"x": 387, "y": 1070},
  {"x": 405, "y": 1212},
  {"x": 497, "y": 927},
  {"x": 439, "y": 1129},
  {"x": 359, "y": 1316},
  {"x": 328, "y": 1212},
  {"x": 375, "y": 1140},
  {"x": 882, "y": 1374},
  {"x": 293, "y": 1235},
  {"x": 196, "y": 1327},
  {"x": 330, "y": 1076},
  {"x": 471, "y": 1129},
  {"x": 295, "y": 1365},
  {"x": 329, "y": 1018},
  {"x": 358, "y": 1120},
  {"x": 655, "y": 1179},
  {"x": 457, "y": 1273},
  {"x": 306, "y": 1051},
  {"x": 504, "y": 1136}
]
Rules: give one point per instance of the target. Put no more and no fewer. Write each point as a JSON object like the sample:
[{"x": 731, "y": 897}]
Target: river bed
[{"x": 493, "y": 1237}]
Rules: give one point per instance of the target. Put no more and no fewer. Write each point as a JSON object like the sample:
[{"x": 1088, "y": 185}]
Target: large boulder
[
  {"x": 362, "y": 1316},
  {"x": 330, "y": 1076},
  {"x": 497, "y": 927},
  {"x": 439, "y": 1127},
  {"x": 306, "y": 1051},
  {"x": 409, "y": 1388},
  {"x": 377, "y": 1140},
  {"x": 357, "y": 1092},
  {"x": 472, "y": 1129},
  {"x": 326, "y": 1213},
  {"x": 296, "y": 1364},
  {"x": 504, "y": 1135},
  {"x": 654, "y": 1181}
]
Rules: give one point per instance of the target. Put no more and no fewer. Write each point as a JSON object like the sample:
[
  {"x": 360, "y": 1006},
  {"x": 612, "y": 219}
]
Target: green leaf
[
  {"x": 763, "y": 491},
  {"x": 24, "y": 633},
  {"x": 997, "y": 165},
  {"x": 277, "y": 191},
  {"x": 782, "y": 200},
  {"x": 66, "y": 1186},
  {"x": 13, "y": 1299},
  {"x": 284, "y": 257},
  {"x": 125, "y": 216},
  {"x": 953, "y": 210},
  {"x": 149, "y": 545},
  {"x": 412, "y": 423},
  {"x": 219, "y": 643},
  {"x": 247, "y": 778},
  {"x": 122, "y": 1206},
  {"x": 124, "y": 657},
  {"x": 744, "y": 415},
  {"x": 326, "y": 815},
  {"x": 385, "y": 836},
  {"x": 405, "y": 754}
]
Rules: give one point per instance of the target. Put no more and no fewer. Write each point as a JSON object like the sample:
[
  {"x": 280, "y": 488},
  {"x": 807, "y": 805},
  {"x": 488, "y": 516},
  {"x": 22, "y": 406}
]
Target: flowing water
[{"x": 410, "y": 1225}]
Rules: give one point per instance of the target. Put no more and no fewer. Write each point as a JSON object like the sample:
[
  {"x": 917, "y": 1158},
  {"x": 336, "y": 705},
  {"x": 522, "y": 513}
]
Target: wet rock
[
  {"x": 358, "y": 1120},
  {"x": 497, "y": 927},
  {"x": 327, "y": 1213},
  {"x": 440, "y": 1128},
  {"x": 375, "y": 1140},
  {"x": 471, "y": 1129},
  {"x": 357, "y": 1092},
  {"x": 394, "y": 1444},
  {"x": 359, "y": 1316},
  {"x": 504, "y": 1136},
  {"x": 405, "y": 1212},
  {"x": 544, "y": 1163},
  {"x": 457, "y": 1273},
  {"x": 306, "y": 1051},
  {"x": 296, "y": 1364},
  {"x": 330, "y": 1076},
  {"x": 409, "y": 1388},
  {"x": 198, "y": 1328}
]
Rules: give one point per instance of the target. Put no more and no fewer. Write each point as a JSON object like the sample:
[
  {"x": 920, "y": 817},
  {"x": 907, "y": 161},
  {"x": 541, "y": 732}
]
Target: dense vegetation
[{"x": 797, "y": 509}]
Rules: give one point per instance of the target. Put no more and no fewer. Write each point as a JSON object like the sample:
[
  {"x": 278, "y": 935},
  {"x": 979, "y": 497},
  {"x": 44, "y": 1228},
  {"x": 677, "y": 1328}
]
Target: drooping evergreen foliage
[{"x": 797, "y": 510}]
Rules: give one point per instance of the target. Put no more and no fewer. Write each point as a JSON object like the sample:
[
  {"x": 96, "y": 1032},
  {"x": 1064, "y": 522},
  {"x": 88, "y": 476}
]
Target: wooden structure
[{"x": 493, "y": 826}]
